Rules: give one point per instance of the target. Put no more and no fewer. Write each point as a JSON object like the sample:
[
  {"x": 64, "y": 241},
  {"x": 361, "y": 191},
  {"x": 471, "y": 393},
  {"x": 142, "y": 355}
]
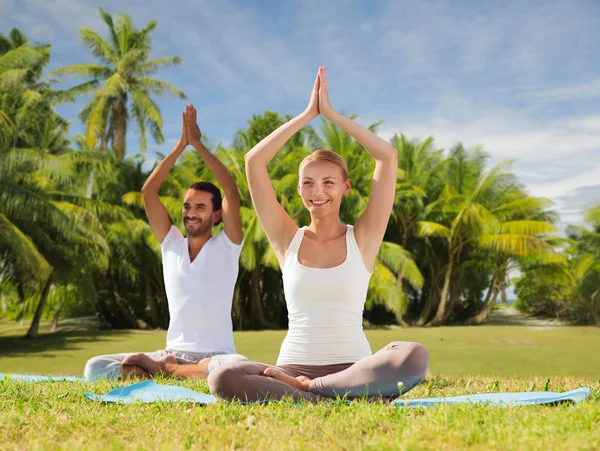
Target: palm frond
[
  {"x": 515, "y": 245},
  {"x": 99, "y": 46},
  {"x": 525, "y": 227},
  {"x": 19, "y": 257},
  {"x": 400, "y": 262},
  {"x": 428, "y": 228},
  {"x": 86, "y": 70},
  {"x": 150, "y": 67}
]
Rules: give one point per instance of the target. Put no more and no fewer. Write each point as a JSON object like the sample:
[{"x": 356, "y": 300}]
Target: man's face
[{"x": 198, "y": 214}]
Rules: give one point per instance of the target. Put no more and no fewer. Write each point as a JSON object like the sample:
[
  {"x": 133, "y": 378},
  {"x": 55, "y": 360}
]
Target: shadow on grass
[{"x": 59, "y": 341}]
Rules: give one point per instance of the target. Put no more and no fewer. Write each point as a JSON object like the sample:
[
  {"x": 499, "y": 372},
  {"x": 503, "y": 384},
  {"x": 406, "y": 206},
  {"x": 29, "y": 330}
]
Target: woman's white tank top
[{"x": 325, "y": 308}]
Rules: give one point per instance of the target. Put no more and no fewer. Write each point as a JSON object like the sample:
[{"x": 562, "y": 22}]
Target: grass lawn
[{"x": 463, "y": 360}]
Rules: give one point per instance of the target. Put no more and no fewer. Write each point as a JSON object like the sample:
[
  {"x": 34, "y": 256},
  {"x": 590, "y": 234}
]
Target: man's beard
[{"x": 197, "y": 229}]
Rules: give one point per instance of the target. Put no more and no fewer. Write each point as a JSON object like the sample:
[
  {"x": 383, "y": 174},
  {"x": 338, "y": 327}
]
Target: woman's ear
[{"x": 347, "y": 188}]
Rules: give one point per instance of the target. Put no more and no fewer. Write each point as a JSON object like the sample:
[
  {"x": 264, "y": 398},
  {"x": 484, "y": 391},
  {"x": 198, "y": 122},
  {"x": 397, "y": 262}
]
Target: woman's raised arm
[
  {"x": 370, "y": 227},
  {"x": 279, "y": 227}
]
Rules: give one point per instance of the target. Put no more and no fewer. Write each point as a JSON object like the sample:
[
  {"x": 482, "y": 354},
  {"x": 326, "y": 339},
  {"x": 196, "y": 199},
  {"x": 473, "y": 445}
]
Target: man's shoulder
[
  {"x": 223, "y": 242},
  {"x": 173, "y": 239}
]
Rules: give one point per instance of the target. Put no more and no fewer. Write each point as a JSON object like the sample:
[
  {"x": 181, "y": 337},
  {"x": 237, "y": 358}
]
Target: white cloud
[
  {"x": 496, "y": 74},
  {"x": 554, "y": 159},
  {"x": 50, "y": 20},
  {"x": 505, "y": 135},
  {"x": 584, "y": 91}
]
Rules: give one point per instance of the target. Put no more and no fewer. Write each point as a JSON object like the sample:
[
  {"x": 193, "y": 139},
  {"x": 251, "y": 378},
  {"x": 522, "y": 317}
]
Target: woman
[{"x": 326, "y": 270}]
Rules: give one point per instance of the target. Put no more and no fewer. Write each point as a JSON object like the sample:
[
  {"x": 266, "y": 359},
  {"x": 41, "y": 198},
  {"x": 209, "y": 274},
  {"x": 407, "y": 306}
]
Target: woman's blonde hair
[{"x": 327, "y": 155}]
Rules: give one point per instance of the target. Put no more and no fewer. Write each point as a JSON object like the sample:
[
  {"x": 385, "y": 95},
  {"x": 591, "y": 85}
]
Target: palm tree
[
  {"x": 24, "y": 99},
  {"x": 257, "y": 254},
  {"x": 586, "y": 263},
  {"x": 419, "y": 166},
  {"x": 121, "y": 84},
  {"x": 520, "y": 233},
  {"x": 476, "y": 209}
]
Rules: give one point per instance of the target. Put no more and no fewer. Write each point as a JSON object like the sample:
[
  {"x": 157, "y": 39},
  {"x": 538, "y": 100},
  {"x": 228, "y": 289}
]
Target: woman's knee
[
  {"x": 223, "y": 380},
  {"x": 219, "y": 360},
  {"x": 419, "y": 359},
  {"x": 412, "y": 355}
]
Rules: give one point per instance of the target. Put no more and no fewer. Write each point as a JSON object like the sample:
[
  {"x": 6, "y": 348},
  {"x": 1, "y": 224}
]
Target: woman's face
[{"x": 322, "y": 186}]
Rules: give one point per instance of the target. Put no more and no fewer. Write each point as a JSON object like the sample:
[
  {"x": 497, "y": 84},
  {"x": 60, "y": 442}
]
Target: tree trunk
[
  {"x": 401, "y": 321},
  {"x": 441, "y": 311},
  {"x": 90, "y": 187},
  {"x": 128, "y": 316},
  {"x": 429, "y": 303},
  {"x": 154, "y": 313},
  {"x": 503, "y": 295},
  {"x": 595, "y": 305},
  {"x": 256, "y": 309},
  {"x": 398, "y": 315},
  {"x": 22, "y": 301},
  {"x": 236, "y": 310},
  {"x": 488, "y": 305},
  {"x": 54, "y": 324},
  {"x": 33, "y": 331},
  {"x": 120, "y": 130},
  {"x": 454, "y": 296}
]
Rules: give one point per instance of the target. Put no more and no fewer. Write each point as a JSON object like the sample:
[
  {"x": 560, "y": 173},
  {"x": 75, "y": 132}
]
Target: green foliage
[
  {"x": 567, "y": 287},
  {"x": 539, "y": 296},
  {"x": 120, "y": 87},
  {"x": 458, "y": 229}
]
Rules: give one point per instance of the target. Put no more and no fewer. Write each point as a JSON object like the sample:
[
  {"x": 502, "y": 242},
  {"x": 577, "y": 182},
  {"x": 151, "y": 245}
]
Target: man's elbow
[
  {"x": 148, "y": 191},
  {"x": 233, "y": 195}
]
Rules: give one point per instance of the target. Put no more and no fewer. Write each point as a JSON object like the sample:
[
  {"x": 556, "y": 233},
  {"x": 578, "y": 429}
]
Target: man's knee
[{"x": 101, "y": 367}]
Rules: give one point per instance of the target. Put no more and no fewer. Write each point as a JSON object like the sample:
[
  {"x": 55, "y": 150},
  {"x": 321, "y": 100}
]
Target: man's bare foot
[
  {"x": 143, "y": 361},
  {"x": 149, "y": 364},
  {"x": 165, "y": 362},
  {"x": 300, "y": 382}
]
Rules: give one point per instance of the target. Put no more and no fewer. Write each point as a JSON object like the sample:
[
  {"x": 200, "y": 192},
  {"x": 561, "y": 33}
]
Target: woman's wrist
[{"x": 307, "y": 115}]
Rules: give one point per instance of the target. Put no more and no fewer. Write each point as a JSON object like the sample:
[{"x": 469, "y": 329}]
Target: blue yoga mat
[
  {"x": 500, "y": 399},
  {"x": 149, "y": 391},
  {"x": 33, "y": 378}
]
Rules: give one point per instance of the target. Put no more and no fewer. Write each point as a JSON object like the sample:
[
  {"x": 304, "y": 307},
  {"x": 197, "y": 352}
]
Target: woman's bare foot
[{"x": 300, "y": 382}]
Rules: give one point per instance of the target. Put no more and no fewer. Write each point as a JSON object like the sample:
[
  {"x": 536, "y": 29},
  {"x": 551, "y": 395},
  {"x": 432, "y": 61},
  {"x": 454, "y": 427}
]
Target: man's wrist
[
  {"x": 197, "y": 143},
  {"x": 179, "y": 147}
]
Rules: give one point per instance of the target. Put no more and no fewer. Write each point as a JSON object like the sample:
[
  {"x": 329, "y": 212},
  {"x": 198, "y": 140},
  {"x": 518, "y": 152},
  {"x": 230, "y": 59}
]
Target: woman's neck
[{"x": 327, "y": 227}]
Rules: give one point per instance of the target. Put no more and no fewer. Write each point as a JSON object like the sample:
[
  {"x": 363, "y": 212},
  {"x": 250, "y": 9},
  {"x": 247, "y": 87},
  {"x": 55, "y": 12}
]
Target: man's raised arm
[
  {"x": 155, "y": 210},
  {"x": 230, "y": 214}
]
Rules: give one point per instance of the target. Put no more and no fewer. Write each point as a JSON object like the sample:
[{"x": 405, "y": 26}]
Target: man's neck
[{"x": 195, "y": 244}]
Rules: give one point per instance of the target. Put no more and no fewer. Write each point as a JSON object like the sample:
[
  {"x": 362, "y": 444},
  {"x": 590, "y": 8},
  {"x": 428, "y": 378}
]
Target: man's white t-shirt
[{"x": 200, "y": 293}]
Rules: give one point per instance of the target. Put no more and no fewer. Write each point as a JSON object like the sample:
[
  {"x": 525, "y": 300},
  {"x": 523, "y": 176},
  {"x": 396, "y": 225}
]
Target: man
[{"x": 200, "y": 272}]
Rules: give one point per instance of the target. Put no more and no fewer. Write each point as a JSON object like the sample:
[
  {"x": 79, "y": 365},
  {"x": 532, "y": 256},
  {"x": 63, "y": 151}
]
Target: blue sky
[{"x": 521, "y": 79}]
